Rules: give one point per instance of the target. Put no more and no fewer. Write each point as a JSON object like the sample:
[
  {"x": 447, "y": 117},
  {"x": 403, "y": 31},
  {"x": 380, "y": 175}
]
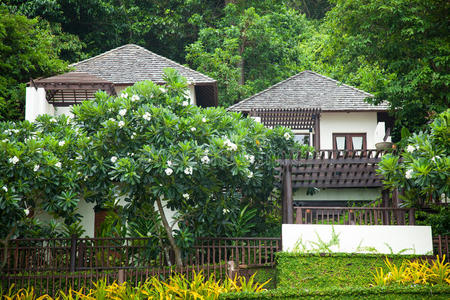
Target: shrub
[
  {"x": 178, "y": 286},
  {"x": 414, "y": 272}
]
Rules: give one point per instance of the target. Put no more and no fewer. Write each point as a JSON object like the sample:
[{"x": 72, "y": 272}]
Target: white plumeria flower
[
  {"x": 113, "y": 159},
  {"x": 147, "y": 116},
  {"x": 188, "y": 171},
  {"x": 168, "y": 171},
  {"x": 185, "y": 103},
  {"x": 5, "y": 141},
  {"x": 408, "y": 174},
  {"x": 162, "y": 89},
  {"x": 186, "y": 196},
  {"x": 169, "y": 163},
  {"x": 434, "y": 158},
  {"x": 112, "y": 119},
  {"x": 230, "y": 146},
  {"x": 61, "y": 143},
  {"x": 410, "y": 148},
  {"x": 124, "y": 95},
  {"x": 204, "y": 120},
  {"x": 52, "y": 120},
  {"x": 14, "y": 160},
  {"x": 26, "y": 211},
  {"x": 133, "y": 135},
  {"x": 193, "y": 129},
  {"x": 121, "y": 124},
  {"x": 5, "y": 189},
  {"x": 287, "y": 136},
  {"x": 250, "y": 158},
  {"x": 205, "y": 159},
  {"x": 225, "y": 211},
  {"x": 135, "y": 98},
  {"x": 58, "y": 164},
  {"x": 36, "y": 168},
  {"x": 123, "y": 112},
  {"x": 250, "y": 174}
]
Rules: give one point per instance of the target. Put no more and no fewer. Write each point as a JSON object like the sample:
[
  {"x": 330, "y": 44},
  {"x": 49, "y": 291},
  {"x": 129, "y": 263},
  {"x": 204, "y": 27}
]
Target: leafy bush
[
  {"x": 414, "y": 272},
  {"x": 423, "y": 172},
  {"x": 176, "y": 287}
]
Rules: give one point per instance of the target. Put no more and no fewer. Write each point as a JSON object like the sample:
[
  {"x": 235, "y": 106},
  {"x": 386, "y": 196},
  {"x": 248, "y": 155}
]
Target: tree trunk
[
  {"x": 241, "y": 68},
  {"x": 174, "y": 246}
]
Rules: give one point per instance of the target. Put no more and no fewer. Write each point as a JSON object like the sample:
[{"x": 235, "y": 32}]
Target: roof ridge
[
  {"x": 340, "y": 83},
  {"x": 174, "y": 62},
  {"x": 150, "y": 52},
  {"x": 99, "y": 55},
  {"x": 267, "y": 89}
]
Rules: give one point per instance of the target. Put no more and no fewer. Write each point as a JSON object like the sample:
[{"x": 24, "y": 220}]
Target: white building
[
  {"x": 328, "y": 115},
  {"x": 111, "y": 72}
]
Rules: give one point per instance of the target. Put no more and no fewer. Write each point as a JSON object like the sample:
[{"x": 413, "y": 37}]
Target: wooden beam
[{"x": 317, "y": 131}]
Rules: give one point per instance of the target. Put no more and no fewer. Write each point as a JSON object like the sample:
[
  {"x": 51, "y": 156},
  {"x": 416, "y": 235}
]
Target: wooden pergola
[
  {"x": 293, "y": 118},
  {"x": 330, "y": 169},
  {"x": 72, "y": 88}
]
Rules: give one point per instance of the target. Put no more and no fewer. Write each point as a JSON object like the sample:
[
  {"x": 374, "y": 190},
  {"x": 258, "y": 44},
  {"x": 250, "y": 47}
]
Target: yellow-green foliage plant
[
  {"x": 414, "y": 272},
  {"x": 176, "y": 287}
]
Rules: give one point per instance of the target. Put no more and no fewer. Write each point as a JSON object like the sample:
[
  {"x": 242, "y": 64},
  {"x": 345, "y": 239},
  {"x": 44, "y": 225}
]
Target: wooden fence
[
  {"x": 355, "y": 215},
  {"x": 441, "y": 246},
  {"x": 57, "y": 264}
]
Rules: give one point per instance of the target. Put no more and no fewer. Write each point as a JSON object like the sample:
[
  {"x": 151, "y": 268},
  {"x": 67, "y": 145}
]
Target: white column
[
  {"x": 192, "y": 95},
  {"x": 36, "y": 104}
]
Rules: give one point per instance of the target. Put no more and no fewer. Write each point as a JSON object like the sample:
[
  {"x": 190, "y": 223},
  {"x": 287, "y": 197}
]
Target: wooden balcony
[{"x": 355, "y": 215}]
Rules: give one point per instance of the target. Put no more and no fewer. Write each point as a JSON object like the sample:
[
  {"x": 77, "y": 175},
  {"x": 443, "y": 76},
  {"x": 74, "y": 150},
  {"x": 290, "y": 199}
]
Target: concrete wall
[
  {"x": 347, "y": 122},
  {"x": 359, "y": 238}
]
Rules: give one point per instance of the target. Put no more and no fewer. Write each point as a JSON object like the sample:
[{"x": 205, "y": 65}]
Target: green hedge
[
  {"x": 313, "y": 271},
  {"x": 391, "y": 292}
]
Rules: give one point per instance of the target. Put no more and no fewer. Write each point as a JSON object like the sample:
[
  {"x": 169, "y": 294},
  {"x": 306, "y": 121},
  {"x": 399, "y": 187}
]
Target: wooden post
[
  {"x": 73, "y": 252},
  {"x": 121, "y": 276},
  {"x": 288, "y": 216},
  {"x": 232, "y": 270},
  {"x": 385, "y": 204},
  {"x": 317, "y": 132},
  {"x": 412, "y": 216}
]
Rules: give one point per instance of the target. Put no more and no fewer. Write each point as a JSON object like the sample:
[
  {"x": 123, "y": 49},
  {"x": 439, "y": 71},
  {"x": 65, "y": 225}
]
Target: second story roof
[{"x": 309, "y": 89}]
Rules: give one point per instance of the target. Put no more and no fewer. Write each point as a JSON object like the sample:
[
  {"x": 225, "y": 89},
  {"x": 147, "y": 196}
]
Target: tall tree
[
  {"x": 248, "y": 51},
  {"x": 26, "y": 51},
  {"x": 401, "y": 47}
]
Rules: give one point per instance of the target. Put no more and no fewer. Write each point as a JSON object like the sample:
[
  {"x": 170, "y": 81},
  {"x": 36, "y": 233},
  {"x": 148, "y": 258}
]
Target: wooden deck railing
[{"x": 354, "y": 215}]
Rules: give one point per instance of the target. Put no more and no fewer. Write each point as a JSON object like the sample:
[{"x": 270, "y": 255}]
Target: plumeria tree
[
  {"x": 160, "y": 150},
  {"x": 152, "y": 148},
  {"x": 423, "y": 170}
]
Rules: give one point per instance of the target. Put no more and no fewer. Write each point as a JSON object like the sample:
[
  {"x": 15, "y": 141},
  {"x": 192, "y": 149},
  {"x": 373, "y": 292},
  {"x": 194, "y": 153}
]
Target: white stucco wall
[
  {"x": 36, "y": 104},
  {"x": 343, "y": 194},
  {"x": 64, "y": 110},
  {"x": 359, "y": 238},
  {"x": 347, "y": 122}
]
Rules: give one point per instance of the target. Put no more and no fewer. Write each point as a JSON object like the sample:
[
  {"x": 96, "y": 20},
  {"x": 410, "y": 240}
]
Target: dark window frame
[{"x": 348, "y": 140}]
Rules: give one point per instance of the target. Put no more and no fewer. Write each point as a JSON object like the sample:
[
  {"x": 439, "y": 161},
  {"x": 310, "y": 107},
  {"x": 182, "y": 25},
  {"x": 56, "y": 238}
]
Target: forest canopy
[{"x": 397, "y": 50}]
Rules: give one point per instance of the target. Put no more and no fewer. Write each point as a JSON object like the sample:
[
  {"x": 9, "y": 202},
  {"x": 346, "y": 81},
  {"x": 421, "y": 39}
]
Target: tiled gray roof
[
  {"x": 131, "y": 63},
  {"x": 309, "y": 89}
]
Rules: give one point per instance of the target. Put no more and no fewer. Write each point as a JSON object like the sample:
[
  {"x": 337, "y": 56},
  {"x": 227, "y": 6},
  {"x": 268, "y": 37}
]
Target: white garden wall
[{"x": 358, "y": 239}]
